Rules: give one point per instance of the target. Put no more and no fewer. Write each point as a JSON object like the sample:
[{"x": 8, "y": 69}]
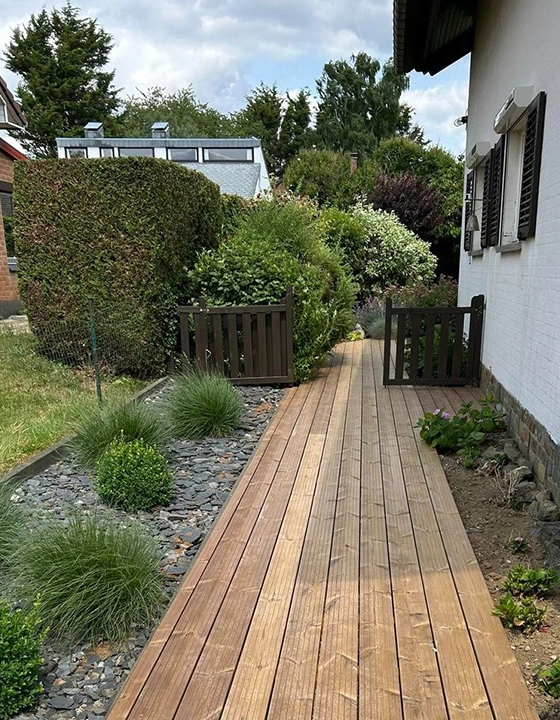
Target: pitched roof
[
  {"x": 15, "y": 113},
  {"x": 429, "y": 35},
  {"x": 233, "y": 178},
  {"x": 10, "y": 150}
]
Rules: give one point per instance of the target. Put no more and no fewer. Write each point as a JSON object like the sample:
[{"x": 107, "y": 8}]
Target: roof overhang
[
  {"x": 16, "y": 119},
  {"x": 10, "y": 150},
  {"x": 429, "y": 35}
]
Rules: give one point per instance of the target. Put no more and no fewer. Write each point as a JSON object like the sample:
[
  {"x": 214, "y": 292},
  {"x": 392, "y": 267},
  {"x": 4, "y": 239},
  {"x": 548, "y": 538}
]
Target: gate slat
[
  {"x": 185, "y": 339},
  {"x": 248, "y": 345},
  {"x": 443, "y": 346},
  {"x": 428, "y": 371},
  {"x": 218, "y": 332},
  {"x": 261, "y": 344},
  {"x": 399, "y": 354},
  {"x": 233, "y": 345},
  {"x": 414, "y": 346},
  {"x": 458, "y": 347},
  {"x": 201, "y": 333},
  {"x": 276, "y": 344}
]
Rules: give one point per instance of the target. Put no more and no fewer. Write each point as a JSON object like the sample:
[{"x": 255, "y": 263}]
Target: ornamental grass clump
[
  {"x": 11, "y": 524},
  {"x": 97, "y": 578},
  {"x": 203, "y": 405},
  {"x": 122, "y": 421},
  {"x": 133, "y": 476},
  {"x": 20, "y": 659}
]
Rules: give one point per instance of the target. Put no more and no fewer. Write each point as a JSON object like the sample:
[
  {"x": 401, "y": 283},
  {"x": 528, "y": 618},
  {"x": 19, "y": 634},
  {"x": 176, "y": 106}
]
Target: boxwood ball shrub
[
  {"x": 121, "y": 421},
  {"x": 20, "y": 659},
  {"x": 120, "y": 231},
  {"x": 133, "y": 476},
  {"x": 97, "y": 578},
  {"x": 203, "y": 405},
  {"x": 276, "y": 245}
]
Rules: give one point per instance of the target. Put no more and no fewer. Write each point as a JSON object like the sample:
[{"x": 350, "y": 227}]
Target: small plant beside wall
[
  {"x": 548, "y": 679},
  {"x": 465, "y": 432},
  {"x": 537, "y": 582},
  {"x": 519, "y": 613}
]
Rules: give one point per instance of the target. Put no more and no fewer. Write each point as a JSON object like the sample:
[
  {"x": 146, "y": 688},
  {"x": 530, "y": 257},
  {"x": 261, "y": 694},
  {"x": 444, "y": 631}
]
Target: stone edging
[{"x": 60, "y": 450}]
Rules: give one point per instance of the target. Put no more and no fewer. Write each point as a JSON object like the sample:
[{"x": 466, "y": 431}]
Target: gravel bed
[{"x": 82, "y": 683}]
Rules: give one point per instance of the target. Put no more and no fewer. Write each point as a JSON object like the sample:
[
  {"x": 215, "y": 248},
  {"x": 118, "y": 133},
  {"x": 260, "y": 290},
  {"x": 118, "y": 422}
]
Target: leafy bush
[
  {"x": 20, "y": 659},
  {"x": 119, "y": 231},
  {"x": 348, "y": 232},
  {"x": 203, "y": 405},
  {"x": 234, "y": 207},
  {"x": 530, "y": 581},
  {"x": 122, "y": 421},
  {"x": 465, "y": 431},
  {"x": 442, "y": 293},
  {"x": 393, "y": 254},
  {"x": 276, "y": 245},
  {"x": 450, "y": 351},
  {"x": 517, "y": 544},
  {"x": 323, "y": 175},
  {"x": 548, "y": 679},
  {"x": 417, "y": 205},
  {"x": 371, "y": 317},
  {"x": 11, "y": 523},
  {"x": 97, "y": 578},
  {"x": 133, "y": 476},
  {"x": 519, "y": 613}
]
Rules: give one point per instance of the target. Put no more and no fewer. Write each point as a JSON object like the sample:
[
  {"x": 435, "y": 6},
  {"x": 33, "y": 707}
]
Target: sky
[{"x": 225, "y": 48}]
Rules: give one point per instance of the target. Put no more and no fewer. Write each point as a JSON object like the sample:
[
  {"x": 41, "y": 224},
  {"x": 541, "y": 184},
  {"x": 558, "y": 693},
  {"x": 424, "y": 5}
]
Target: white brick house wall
[{"x": 517, "y": 43}]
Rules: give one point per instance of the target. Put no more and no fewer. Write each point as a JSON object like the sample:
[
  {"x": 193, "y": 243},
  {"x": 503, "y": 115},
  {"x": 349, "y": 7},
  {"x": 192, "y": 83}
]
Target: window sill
[
  {"x": 509, "y": 247},
  {"x": 479, "y": 252}
]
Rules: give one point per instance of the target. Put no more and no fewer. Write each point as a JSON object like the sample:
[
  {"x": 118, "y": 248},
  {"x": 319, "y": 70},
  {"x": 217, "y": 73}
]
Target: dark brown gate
[
  {"x": 251, "y": 345},
  {"x": 428, "y": 346}
]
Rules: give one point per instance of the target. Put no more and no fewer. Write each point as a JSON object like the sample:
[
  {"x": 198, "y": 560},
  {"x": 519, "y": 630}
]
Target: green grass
[
  {"x": 11, "y": 524},
  {"x": 40, "y": 401},
  {"x": 96, "y": 579},
  {"x": 203, "y": 405}
]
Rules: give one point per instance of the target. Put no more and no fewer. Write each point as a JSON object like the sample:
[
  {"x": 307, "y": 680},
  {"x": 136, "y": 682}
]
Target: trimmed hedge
[{"x": 121, "y": 232}]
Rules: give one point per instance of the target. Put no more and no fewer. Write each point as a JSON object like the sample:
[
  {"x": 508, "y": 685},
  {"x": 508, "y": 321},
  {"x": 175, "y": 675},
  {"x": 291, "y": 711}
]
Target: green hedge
[{"x": 121, "y": 232}]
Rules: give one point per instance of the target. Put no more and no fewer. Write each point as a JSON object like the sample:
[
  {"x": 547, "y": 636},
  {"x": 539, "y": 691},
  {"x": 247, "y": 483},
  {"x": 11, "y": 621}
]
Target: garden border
[{"x": 41, "y": 461}]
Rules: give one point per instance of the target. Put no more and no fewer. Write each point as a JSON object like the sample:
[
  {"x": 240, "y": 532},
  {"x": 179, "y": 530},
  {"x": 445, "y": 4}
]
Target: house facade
[
  {"x": 511, "y": 234},
  {"x": 237, "y": 165},
  {"x": 11, "y": 116}
]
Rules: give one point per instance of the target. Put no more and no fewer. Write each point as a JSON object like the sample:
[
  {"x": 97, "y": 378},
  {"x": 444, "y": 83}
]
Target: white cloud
[{"x": 436, "y": 109}]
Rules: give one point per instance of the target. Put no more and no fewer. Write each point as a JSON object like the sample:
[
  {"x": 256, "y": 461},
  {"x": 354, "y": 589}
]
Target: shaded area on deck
[{"x": 339, "y": 582}]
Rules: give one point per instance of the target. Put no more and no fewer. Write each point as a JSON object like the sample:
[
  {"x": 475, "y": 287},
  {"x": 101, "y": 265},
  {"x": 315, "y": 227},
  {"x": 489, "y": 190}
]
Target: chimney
[
  {"x": 353, "y": 162},
  {"x": 160, "y": 130},
  {"x": 93, "y": 130}
]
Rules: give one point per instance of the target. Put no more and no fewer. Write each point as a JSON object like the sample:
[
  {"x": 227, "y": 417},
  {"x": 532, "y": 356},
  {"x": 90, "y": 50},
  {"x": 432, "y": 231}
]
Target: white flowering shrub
[{"x": 393, "y": 255}]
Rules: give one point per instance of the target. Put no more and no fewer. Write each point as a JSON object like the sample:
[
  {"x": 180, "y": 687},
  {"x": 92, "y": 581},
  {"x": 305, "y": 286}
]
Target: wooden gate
[
  {"x": 250, "y": 345},
  {"x": 428, "y": 346}
]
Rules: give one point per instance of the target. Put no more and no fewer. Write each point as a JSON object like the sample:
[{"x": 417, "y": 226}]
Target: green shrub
[
  {"x": 393, "y": 255},
  {"x": 126, "y": 421},
  {"x": 11, "y": 523},
  {"x": 234, "y": 208},
  {"x": 119, "y": 231},
  {"x": 275, "y": 246},
  {"x": 548, "y": 679},
  {"x": 97, "y": 578},
  {"x": 347, "y": 231},
  {"x": 133, "y": 476},
  {"x": 519, "y": 613},
  {"x": 442, "y": 293},
  {"x": 203, "y": 405},
  {"x": 530, "y": 581},
  {"x": 20, "y": 659}
]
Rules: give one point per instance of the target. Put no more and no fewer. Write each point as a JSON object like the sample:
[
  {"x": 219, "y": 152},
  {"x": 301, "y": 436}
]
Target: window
[
  {"x": 182, "y": 154},
  {"x": 76, "y": 153},
  {"x": 136, "y": 152},
  {"x": 106, "y": 152},
  {"x": 6, "y": 203},
  {"x": 228, "y": 154}
]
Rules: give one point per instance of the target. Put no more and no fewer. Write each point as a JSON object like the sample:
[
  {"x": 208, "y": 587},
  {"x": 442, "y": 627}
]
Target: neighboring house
[
  {"x": 237, "y": 165},
  {"x": 511, "y": 238},
  {"x": 11, "y": 116}
]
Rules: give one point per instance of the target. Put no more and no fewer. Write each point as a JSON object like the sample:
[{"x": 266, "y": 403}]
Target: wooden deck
[{"x": 338, "y": 582}]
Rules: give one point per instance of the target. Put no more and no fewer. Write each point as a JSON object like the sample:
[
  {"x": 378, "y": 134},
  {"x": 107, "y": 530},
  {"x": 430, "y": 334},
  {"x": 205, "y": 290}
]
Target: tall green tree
[
  {"x": 187, "y": 117},
  {"x": 295, "y": 127},
  {"x": 359, "y": 104},
  {"x": 261, "y": 118},
  {"x": 62, "y": 60}
]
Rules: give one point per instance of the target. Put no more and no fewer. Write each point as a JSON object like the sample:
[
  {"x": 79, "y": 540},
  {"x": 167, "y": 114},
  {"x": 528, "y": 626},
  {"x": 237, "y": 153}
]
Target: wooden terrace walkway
[{"x": 338, "y": 582}]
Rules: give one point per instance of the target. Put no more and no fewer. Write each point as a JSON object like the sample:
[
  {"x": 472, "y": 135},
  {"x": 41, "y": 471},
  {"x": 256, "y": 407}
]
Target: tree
[
  {"x": 61, "y": 59},
  {"x": 187, "y": 117},
  {"x": 295, "y": 127},
  {"x": 261, "y": 118},
  {"x": 416, "y": 203},
  {"x": 357, "y": 107}
]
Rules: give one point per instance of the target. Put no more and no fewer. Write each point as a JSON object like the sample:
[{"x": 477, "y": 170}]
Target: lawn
[{"x": 40, "y": 401}]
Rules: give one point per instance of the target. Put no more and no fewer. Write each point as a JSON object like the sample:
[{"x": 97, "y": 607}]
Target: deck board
[{"x": 338, "y": 583}]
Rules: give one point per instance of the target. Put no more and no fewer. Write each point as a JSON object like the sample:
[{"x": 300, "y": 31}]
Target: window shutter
[
  {"x": 469, "y": 209},
  {"x": 532, "y": 153},
  {"x": 497, "y": 179},
  {"x": 486, "y": 200}
]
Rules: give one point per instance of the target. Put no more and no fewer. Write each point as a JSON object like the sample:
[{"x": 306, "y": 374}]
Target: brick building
[{"x": 11, "y": 116}]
